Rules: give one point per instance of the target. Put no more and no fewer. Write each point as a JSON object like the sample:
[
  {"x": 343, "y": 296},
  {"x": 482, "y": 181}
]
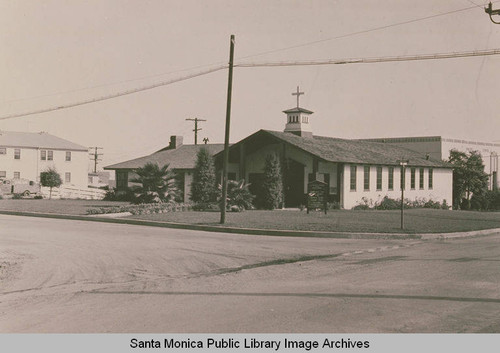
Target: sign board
[{"x": 317, "y": 195}]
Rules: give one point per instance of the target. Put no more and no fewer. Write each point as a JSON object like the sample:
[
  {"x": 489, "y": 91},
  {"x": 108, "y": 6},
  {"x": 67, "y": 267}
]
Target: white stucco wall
[
  {"x": 30, "y": 165},
  {"x": 441, "y": 190}
]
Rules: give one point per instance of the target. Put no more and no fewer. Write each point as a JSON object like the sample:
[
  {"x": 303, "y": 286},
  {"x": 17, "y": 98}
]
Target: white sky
[{"x": 59, "y": 52}]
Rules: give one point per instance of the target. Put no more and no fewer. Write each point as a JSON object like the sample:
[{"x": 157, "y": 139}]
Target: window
[
  {"x": 430, "y": 178},
  {"x": 43, "y": 155},
  {"x": 3, "y": 150},
  {"x": 3, "y": 174},
  {"x": 17, "y": 175},
  {"x": 121, "y": 179},
  {"x": 421, "y": 178},
  {"x": 68, "y": 156},
  {"x": 353, "y": 178},
  {"x": 17, "y": 153},
  {"x": 67, "y": 177},
  {"x": 366, "y": 178},
  {"x": 390, "y": 184},
  {"x": 379, "y": 178},
  {"x": 50, "y": 155},
  {"x": 412, "y": 180}
]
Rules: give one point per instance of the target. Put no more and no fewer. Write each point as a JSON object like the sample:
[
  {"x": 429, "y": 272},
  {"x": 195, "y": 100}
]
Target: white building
[
  {"x": 353, "y": 170},
  {"x": 438, "y": 147},
  {"x": 24, "y": 155}
]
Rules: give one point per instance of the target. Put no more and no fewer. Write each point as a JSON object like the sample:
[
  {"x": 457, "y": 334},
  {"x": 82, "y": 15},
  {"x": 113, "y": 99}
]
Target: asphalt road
[{"x": 74, "y": 276}]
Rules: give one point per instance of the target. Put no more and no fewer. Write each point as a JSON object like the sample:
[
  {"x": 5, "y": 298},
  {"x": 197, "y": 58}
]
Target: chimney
[{"x": 175, "y": 142}]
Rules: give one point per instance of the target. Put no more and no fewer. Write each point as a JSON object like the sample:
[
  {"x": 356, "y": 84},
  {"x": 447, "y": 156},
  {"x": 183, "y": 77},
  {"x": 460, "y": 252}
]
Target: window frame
[
  {"x": 353, "y": 177},
  {"x": 379, "y": 178},
  {"x": 366, "y": 177},
  {"x": 17, "y": 153},
  {"x": 390, "y": 179}
]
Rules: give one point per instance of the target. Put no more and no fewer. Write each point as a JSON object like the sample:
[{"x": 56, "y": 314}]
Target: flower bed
[{"x": 149, "y": 208}]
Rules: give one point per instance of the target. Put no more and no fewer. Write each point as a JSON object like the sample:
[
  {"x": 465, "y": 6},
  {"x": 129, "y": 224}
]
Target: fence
[{"x": 73, "y": 192}]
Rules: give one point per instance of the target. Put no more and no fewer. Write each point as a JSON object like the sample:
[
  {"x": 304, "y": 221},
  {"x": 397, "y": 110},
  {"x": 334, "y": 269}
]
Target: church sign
[{"x": 317, "y": 195}]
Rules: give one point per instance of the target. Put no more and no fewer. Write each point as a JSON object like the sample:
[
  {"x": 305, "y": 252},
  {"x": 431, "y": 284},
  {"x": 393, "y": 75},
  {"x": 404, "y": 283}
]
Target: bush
[
  {"x": 334, "y": 205},
  {"x": 119, "y": 195},
  {"x": 147, "y": 208},
  {"x": 388, "y": 204},
  {"x": 487, "y": 201},
  {"x": 38, "y": 197},
  {"x": 17, "y": 196},
  {"x": 238, "y": 194},
  {"x": 206, "y": 206},
  {"x": 273, "y": 183}
]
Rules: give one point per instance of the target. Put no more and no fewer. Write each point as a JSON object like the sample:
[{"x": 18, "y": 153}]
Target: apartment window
[
  {"x": 430, "y": 178},
  {"x": 68, "y": 156},
  {"x": 379, "y": 178},
  {"x": 421, "y": 178},
  {"x": 50, "y": 155},
  {"x": 67, "y": 177},
  {"x": 353, "y": 178},
  {"x": 366, "y": 178},
  {"x": 3, "y": 150},
  {"x": 43, "y": 155},
  {"x": 390, "y": 184},
  {"x": 412, "y": 180},
  {"x": 17, "y": 153},
  {"x": 3, "y": 174},
  {"x": 17, "y": 175}
]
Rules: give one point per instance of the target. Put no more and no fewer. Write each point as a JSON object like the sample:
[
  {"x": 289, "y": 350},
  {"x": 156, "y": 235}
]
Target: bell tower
[{"x": 297, "y": 119}]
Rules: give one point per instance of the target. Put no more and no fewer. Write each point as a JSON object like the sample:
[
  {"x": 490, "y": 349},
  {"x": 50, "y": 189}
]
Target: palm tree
[{"x": 156, "y": 184}]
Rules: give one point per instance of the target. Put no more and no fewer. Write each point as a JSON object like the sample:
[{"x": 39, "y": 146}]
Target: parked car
[{"x": 19, "y": 186}]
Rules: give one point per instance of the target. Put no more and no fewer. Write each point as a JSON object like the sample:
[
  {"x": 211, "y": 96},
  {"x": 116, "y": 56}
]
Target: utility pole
[
  {"x": 95, "y": 156},
  {"x": 226, "y": 138},
  {"x": 196, "y": 128},
  {"x": 403, "y": 164}
]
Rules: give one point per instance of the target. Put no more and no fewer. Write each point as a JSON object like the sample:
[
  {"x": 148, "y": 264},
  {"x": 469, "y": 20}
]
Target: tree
[
  {"x": 469, "y": 177},
  {"x": 203, "y": 186},
  {"x": 273, "y": 183},
  {"x": 157, "y": 184},
  {"x": 239, "y": 196},
  {"x": 50, "y": 178}
]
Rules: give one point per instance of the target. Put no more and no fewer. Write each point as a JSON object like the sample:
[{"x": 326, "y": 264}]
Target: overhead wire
[
  {"x": 435, "y": 56},
  {"x": 114, "y": 95},
  {"x": 302, "y": 63}
]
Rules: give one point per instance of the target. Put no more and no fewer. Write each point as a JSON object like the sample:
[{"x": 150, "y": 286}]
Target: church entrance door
[{"x": 294, "y": 183}]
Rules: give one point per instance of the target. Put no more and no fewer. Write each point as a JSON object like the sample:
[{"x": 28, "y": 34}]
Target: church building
[{"x": 353, "y": 170}]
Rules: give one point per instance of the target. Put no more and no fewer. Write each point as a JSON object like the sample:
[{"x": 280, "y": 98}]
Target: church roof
[
  {"x": 183, "y": 157},
  {"x": 37, "y": 140},
  {"x": 297, "y": 110},
  {"x": 351, "y": 151}
]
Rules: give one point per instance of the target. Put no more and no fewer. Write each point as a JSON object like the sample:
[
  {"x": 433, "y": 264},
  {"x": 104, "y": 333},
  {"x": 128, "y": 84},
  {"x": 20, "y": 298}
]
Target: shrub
[
  {"x": 203, "y": 187},
  {"x": 273, "y": 183},
  {"x": 17, "y": 196},
  {"x": 38, "y": 197},
  {"x": 238, "y": 194},
  {"x": 334, "y": 205},
  {"x": 157, "y": 184},
  {"x": 388, "y": 204}
]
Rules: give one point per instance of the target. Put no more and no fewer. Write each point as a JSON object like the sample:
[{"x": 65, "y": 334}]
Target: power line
[
  {"x": 267, "y": 64},
  {"x": 114, "y": 95},
  {"x": 375, "y": 60},
  {"x": 362, "y": 32}
]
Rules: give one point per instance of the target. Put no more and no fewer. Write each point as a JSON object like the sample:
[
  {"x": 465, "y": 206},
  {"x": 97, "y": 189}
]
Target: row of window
[
  {"x": 17, "y": 175},
  {"x": 45, "y": 155},
  {"x": 296, "y": 119},
  {"x": 390, "y": 178}
]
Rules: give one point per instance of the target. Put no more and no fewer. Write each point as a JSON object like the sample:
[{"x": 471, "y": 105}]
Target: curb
[{"x": 256, "y": 231}]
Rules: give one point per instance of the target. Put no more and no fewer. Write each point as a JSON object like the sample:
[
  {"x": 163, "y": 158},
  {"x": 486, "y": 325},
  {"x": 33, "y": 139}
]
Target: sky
[{"x": 60, "y": 52}]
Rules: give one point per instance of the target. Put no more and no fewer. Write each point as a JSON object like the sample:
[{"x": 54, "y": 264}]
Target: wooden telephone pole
[
  {"x": 196, "y": 129},
  {"x": 95, "y": 156},
  {"x": 226, "y": 138}
]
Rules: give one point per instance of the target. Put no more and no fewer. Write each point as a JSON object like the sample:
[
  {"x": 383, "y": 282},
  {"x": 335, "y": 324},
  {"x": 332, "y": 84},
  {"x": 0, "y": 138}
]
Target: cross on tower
[{"x": 298, "y": 93}]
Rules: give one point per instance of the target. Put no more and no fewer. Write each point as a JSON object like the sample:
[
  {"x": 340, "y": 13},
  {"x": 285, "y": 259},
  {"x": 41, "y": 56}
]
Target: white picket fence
[{"x": 73, "y": 192}]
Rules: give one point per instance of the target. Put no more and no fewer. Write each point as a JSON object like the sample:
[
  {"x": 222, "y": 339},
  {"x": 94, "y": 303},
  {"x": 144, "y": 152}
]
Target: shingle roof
[
  {"x": 37, "y": 140},
  {"x": 183, "y": 157},
  {"x": 354, "y": 151}
]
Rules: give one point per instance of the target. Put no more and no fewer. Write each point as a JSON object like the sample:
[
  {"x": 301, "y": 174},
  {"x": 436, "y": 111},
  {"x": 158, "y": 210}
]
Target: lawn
[
  {"x": 72, "y": 207},
  {"x": 416, "y": 220}
]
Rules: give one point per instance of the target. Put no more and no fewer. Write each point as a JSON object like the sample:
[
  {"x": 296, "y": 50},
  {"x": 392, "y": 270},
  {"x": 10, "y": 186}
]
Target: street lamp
[
  {"x": 489, "y": 10},
  {"x": 403, "y": 164}
]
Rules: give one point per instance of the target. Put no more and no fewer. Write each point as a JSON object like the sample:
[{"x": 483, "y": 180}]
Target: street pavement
[{"x": 76, "y": 276}]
